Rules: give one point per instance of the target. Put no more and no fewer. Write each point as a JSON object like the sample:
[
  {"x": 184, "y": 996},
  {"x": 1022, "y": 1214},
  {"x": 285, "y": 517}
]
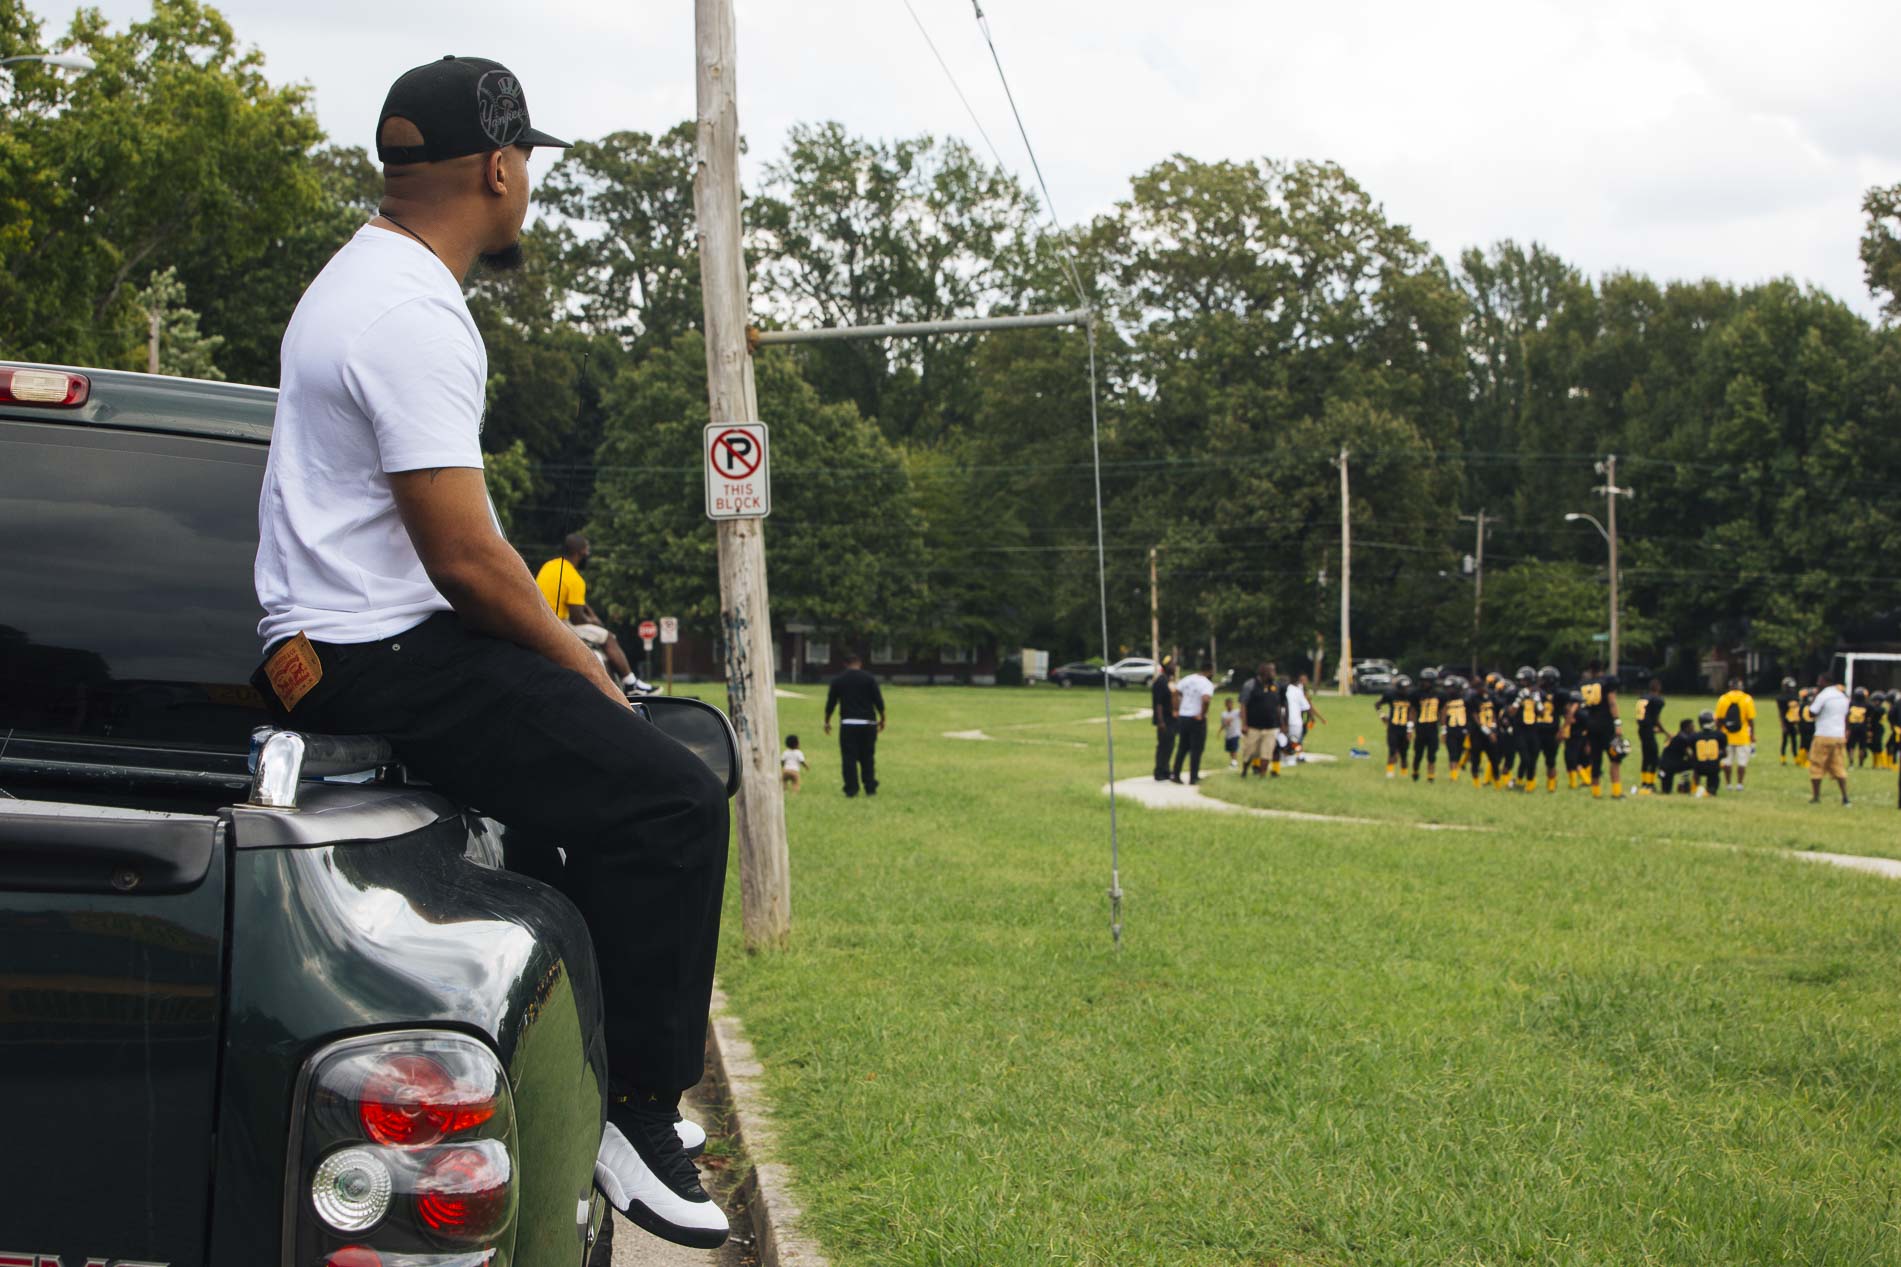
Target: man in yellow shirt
[
  {"x": 562, "y": 585},
  {"x": 1736, "y": 716}
]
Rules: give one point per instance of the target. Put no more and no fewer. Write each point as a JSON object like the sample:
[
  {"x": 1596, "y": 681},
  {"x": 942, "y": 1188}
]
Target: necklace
[{"x": 411, "y": 232}]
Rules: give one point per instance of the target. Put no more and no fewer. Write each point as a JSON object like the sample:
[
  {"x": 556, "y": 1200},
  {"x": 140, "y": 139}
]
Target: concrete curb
[{"x": 775, "y": 1212}]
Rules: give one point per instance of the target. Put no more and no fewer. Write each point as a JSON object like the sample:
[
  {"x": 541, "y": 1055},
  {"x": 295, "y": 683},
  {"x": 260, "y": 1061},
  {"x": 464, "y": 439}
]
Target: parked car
[
  {"x": 284, "y": 1006},
  {"x": 1077, "y": 673},
  {"x": 1371, "y": 677},
  {"x": 1132, "y": 670}
]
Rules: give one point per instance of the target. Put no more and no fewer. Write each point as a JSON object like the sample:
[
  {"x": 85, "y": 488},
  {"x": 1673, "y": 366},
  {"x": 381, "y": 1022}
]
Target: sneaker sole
[{"x": 693, "y": 1238}]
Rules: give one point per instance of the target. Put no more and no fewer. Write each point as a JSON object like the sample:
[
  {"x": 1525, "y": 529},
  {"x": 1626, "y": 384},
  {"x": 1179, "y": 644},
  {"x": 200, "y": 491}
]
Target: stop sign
[{"x": 648, "y": 630}]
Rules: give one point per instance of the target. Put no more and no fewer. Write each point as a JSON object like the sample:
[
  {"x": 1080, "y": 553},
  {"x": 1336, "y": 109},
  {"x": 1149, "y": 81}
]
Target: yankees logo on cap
[{"x": 461, "y": 105}]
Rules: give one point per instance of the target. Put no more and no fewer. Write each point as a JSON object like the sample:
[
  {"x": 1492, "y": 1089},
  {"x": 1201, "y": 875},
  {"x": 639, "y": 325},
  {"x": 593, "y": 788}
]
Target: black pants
[
  {"x": 1396, "y": 741},
  {"x": 1164, "y": 746},
  {"x": 1528, "y": 750},
  {"x": 1667, "y": 775},
  {"x": 1647, "y": 740},
  {"x": 1455, "y": 747},
  {"x": 1791, "y": 742},
  {"x": 1425, "y": 745},
  {"x": 642, "y": 821},
  {"x": 1193, "y": 738},
  {"x": 858, "y": 754},
  {"x": 1548, "y": 744}
]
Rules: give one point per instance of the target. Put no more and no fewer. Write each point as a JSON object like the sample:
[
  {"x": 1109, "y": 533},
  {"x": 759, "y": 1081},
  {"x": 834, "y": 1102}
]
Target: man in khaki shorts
[
  {"x": 1263, "y": 715},
  {"x": 1828, "y": 755},
  {"x": 566, "y": 591}
]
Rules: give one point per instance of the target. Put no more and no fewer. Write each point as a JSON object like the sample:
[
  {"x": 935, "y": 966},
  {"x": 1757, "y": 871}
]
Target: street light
[
  {"x": 65, "y": 61},
  {"x": 1572, "y": 517}
]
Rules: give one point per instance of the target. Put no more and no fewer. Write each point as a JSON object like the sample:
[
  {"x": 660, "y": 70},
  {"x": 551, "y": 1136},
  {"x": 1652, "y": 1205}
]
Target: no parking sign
[{"x": 738, "y": 483}]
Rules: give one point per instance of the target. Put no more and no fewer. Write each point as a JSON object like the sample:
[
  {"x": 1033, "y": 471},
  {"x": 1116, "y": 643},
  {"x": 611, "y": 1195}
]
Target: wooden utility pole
[
  {"x": 1478, "y": 582},
  {"x": 1608, "y": 469},
  {"x": 1346, "y": 580},
  {"x": 765, "y": 880},
  {"x": 1155, "y": 611}
]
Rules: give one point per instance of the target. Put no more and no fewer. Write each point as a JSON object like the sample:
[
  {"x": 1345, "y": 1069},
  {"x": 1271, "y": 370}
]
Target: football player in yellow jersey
[
  {"x": 1603, "y": 738},
  {"x": 1805, "y": 725},
  {"x": 1396, "y": 707},
  {"x": 1789, "y": 715},
  {"x": 1736, "y": 714},
  {"x": 1427, "y": 706},
  {"x": 1455, "y": 723},
  {"x": 1858, "y": 727},
  {"x": 1554, "y": 707},
  {"x": 1481, "y": 734},
  {"x": 1709, "y": 751},
  {"x": 1524, "y": 719}
]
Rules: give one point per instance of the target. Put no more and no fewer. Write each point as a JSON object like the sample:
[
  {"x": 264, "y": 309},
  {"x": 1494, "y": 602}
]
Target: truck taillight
[
  {"x": 404, "y": 1155},
  {"x": 55, "y": 389}
]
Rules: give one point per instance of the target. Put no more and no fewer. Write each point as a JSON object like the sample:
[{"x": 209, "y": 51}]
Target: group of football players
[
  {"x": 1497, "y": 730},
  {"x": 1874, "y": 726}
]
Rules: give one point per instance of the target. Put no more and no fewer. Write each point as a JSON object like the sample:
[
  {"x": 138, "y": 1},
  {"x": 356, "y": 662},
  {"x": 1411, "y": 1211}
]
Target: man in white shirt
[
  {"x": 1191, "y": 722},
  {"x": 1299, "y": 708},
  {"x": 393, "y": 606},
  {"x": 1828, "y": 755}
]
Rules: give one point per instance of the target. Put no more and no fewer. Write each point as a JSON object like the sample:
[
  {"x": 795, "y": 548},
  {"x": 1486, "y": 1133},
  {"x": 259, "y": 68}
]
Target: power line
[{"x": 956, "y": 88}]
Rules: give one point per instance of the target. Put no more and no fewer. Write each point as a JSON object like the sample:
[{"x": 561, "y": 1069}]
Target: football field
[{"x": 1565, "y": 1031}]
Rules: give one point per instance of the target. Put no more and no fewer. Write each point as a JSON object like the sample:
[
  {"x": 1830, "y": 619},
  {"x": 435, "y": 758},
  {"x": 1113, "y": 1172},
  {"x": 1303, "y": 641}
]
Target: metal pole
[
  {"x": 1155, "y": 612},
  {"x": 1346, "y": 580},
  {"x": 1478, "y": 586},
  {"x": 1611, "y": 490},
  {"x": 765, "y": 882},
  {"x": 912, "y": 329}
]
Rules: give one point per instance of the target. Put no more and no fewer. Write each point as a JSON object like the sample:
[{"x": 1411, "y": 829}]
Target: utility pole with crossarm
[{"x": 765, "y": 878}]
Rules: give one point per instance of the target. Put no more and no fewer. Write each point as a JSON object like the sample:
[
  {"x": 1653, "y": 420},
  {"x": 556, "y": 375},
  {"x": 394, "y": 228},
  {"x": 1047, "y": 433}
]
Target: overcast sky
[{"x": 1681, "y": 138}]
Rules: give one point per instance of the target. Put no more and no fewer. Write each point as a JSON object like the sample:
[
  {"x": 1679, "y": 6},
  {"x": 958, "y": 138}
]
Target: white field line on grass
[
  {"x": 1146, "y": 791},
  {"x": 1154, "y": 795},
  {"x": 983, "y": 737}
]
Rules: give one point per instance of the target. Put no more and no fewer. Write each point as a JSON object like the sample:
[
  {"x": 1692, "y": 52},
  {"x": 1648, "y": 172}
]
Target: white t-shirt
[
  {"x": 792, "y": 759},
  {"x": 1295, "y": 716},
  {"x": 1231, "y": 723},
  {"x": 1830, "y": 707},
  {"x": 383, "y": 371},
  {"x": 1195, "y": 691}
]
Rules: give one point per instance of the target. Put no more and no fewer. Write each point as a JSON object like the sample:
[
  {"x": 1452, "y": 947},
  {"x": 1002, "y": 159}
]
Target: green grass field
[{"x": 1581, "y": 1036}]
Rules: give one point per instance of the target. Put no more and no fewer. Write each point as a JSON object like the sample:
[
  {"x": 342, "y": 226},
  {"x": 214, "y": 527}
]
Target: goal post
[{"x": 1853, "y": 658}]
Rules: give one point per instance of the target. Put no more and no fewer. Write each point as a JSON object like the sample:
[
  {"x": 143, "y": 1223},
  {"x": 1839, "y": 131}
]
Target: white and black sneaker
[
  {"x": 692, "y": 1135},
  {"x": 644, "y": 1172}
]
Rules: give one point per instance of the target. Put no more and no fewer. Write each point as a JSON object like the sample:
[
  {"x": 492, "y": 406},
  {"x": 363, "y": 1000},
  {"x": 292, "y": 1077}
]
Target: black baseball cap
[{"x": 461, "y": 105}]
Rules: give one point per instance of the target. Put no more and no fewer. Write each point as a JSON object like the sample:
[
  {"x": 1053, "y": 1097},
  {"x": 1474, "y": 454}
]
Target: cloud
[{"x": 1683, "y": 139}]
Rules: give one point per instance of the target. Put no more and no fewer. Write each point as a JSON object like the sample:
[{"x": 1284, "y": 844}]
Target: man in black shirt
[
  {"x": 1162, "y": 710},
  {"x": 1396, "y": 708},
  {"x": 1649, "y": 726},
  {"x": 1263, "y": 715},
  {"x": 1678, "y": 757},
  {"x": 860, "y": 706},
  {"x": 1554, "y": 706}
]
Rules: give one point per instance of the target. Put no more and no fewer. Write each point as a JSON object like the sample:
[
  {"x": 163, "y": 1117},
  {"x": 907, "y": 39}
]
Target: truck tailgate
[{"x": 111, "y": 968}]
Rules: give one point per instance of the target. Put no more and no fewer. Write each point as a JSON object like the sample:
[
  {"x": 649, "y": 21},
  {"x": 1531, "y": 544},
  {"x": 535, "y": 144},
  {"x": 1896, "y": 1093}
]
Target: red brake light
[
  {"x": 54, "y": 389},
  {"x": 353, "y": 1256},
  {"x": 464, "y": 1194},
  {"x": 412, "y": 1100}
]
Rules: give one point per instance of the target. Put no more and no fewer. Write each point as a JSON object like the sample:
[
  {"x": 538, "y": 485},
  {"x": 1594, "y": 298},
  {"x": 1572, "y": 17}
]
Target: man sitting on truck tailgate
[{"x": 393, "y": 606}]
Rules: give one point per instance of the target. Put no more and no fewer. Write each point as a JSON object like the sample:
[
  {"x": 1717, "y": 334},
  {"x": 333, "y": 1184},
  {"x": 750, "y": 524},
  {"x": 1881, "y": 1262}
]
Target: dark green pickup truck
[{"x": 261, "y": 1001}]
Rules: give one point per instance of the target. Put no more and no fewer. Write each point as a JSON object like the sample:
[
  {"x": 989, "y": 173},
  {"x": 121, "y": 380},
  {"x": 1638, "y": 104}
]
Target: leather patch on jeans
[{"x": 293, "y": 670}]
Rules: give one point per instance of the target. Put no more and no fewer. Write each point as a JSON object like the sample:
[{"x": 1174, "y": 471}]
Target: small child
[
  {"x": 1231, "y": 731},
  {"x": 791, "y": 763}
]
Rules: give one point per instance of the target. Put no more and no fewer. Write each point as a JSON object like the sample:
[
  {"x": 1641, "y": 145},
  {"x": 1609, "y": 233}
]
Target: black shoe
[
  {"x": 1161, "y": 778},
  {"x": 643, "y": 1171},
  {"x": 1174, "y": 778}
]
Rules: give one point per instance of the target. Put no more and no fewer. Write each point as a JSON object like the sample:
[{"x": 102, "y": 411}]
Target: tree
[
  {"x": 627, "y": 238},
  {"x": 844, "y": 539},
  {"x": 1881, "y": 246},
  {"x": 175, "y": 344},
  {"x": 858, "y": 232},
  {"x": 174, "y": 151}
]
